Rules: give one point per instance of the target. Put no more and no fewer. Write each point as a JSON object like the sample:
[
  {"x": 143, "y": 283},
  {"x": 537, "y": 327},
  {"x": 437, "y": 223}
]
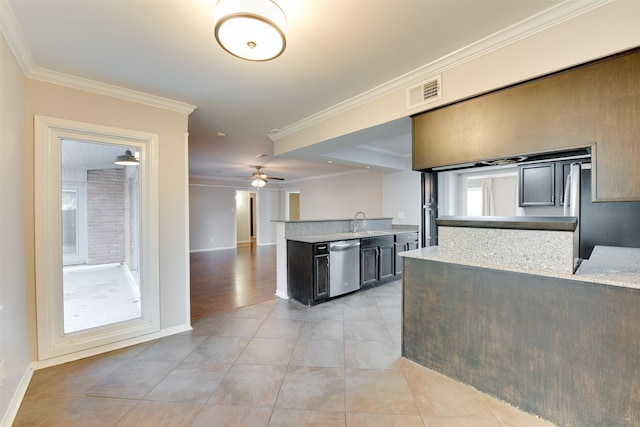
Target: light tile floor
[{"x": 272, "y": 364}]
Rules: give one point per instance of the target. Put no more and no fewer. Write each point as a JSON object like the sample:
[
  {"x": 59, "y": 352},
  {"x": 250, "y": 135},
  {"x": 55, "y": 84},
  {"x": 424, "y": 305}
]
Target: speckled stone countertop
[
  {"x": 607, "y": 265},
  {"x": 333, "y": 237}
]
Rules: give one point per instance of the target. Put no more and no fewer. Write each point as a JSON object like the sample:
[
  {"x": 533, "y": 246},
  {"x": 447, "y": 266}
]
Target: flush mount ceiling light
[
  {"x": 127, "y": 159},
  {"x": 250, "y": 29}
]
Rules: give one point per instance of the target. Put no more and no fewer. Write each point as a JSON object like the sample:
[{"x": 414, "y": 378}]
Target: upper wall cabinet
[{"x": 596, "y": 104}]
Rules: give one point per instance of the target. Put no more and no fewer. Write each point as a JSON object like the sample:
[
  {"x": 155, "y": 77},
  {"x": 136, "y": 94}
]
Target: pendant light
[
  {"x": 250, "y": 29},
  {"x": 127, "y": 159}
]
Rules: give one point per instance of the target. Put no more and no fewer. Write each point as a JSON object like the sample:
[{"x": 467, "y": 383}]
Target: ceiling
[{"x": 336, "y": 50}]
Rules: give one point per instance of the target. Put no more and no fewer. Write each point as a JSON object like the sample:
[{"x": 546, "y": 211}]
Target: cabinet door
[
  {"x": 537, "y": 185},
  {"x": 368, "y": 266},
  {"x": 386, "y": 261},
  {"x": 321, "y": 277},
  {"x": 399, "y": 247}
]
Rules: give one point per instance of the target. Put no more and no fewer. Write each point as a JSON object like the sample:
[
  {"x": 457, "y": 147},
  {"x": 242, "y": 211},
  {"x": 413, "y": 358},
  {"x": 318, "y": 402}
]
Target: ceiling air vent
[{"x": 425, "y": 92}]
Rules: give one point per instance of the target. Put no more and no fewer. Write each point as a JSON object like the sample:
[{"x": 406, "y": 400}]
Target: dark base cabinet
[
  {"x": 368, "y": 265},
  {"x": 308, "y": 265},
  {"x": 377, "y": 260},
  {"x": 308, "y": 271},
  {"x": 403, "y": 242}
]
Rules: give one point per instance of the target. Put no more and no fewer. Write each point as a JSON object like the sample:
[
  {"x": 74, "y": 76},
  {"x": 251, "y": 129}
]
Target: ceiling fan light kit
[
  {"x": 259, "y": 179},
  {"x": 258, "y": 182},
  {"x": 250, "y": 29}
]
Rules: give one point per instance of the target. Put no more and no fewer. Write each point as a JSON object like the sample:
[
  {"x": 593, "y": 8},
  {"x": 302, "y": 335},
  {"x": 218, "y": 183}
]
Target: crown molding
[
  {"x": 18, "y": 45},
  {"x": 549, "y": 18},
  {"x": 15, "y": 38},
  {"x": 100, "y": 88}
]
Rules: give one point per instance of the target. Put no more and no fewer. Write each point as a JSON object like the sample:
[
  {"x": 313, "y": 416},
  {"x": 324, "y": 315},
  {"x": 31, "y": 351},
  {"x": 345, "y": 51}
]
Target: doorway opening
[
  {"x": 100, "y": 231},
  {"x": 293, "y": 205},
  {"x": 246, "y": 214}
]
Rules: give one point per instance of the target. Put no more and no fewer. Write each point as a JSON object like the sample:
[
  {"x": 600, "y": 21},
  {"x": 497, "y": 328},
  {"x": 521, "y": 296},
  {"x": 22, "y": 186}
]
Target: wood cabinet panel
[
  {"x": 321, "y": 277},
  {"x": 593, "y": 105},
  {"x": 368, "y": 266},
  {"x": 537, "y": 185},
  {"x": 308, "y": 271},
  {"x": 403, "y": 242},
  {"x": 386, "y": 261},
  {"x": 377, "y": 260}
]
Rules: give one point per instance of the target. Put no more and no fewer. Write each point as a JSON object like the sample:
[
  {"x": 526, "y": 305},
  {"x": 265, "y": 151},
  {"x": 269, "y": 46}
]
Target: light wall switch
[
  {"x": 401, "y": 215},
  {"x": 2, "y": 372}
]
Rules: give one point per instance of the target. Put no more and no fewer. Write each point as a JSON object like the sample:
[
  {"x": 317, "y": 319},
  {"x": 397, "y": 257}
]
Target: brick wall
[{"x": 106, "y": 215}]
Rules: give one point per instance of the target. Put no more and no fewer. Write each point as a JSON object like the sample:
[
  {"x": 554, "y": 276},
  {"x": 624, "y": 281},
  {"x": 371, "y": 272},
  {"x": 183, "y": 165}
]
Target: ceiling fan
[{"x": 259, "y": 178}]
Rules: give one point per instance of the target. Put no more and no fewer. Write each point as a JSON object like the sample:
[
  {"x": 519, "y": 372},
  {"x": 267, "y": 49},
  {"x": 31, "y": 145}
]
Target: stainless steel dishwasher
[{"x": 344, "y": 267}]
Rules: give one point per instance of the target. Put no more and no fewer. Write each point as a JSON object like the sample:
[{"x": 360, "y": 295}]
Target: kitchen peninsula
[
  {"x": 560, "y": 345},
  {"x": 301, "y": 243}
]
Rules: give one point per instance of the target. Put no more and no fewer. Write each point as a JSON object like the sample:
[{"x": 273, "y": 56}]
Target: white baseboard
[
  {"x": 212, "y": 249},
  {"x": 282, "y": 295},
  {"x": 12, "y": 410}
]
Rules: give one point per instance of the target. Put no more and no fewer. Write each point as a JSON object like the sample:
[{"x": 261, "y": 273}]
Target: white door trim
[{"x": 52, "y": 342}]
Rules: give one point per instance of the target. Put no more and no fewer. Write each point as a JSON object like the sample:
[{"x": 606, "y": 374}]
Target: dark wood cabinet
[
  {"x": 537, "y": 185},
  {"x": 594, "y": 105},
  {"x": 543, "y": 184},
  {"x": 387, "y": 261},
  {"x": 377, "y": 260},
  {"x": 403, "y": 242},
  {"x": 308, "y": 271},
  {"x": 320, "y": 277},
  {"x": 368, "y": 265}
]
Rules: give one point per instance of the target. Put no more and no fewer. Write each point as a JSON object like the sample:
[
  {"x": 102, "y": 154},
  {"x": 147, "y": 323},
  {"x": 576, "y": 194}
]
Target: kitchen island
[
  {"x": 312, "y": 232},
  {"x": 563, "y": 346}
]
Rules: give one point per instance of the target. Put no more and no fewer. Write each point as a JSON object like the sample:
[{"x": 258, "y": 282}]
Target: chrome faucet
[{"x": 355, "y": 220}]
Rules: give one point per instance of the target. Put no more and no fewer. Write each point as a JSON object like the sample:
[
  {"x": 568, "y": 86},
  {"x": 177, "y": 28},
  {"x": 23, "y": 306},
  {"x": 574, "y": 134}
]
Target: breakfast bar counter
[{"x": 563, "y": 346}]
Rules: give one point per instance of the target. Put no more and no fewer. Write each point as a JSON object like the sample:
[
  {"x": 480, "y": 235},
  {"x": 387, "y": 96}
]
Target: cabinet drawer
[
  {"x": 406, "y": 237},
  {"x": 321, "y": 248},
  {"x": 370, "y": 242}
]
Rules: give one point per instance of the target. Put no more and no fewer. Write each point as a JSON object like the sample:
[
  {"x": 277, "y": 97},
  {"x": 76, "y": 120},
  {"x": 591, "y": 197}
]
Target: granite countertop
[
  {"x": 332, "y": 237},
  {"x": 295, "y": 221},
  {"x": 551, "y": 223},
  {"x": 607, "y": 265}
]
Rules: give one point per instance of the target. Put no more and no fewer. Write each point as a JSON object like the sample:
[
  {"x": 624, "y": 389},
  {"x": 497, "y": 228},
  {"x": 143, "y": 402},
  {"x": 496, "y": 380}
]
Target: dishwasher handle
[{"x": 344, "y": 245}]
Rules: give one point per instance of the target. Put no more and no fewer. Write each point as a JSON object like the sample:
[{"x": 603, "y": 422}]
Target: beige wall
[
  {"x": 341, "y": 196},
  {"x": 14, "y": 330},
  {"x": 65, "y": 103}
]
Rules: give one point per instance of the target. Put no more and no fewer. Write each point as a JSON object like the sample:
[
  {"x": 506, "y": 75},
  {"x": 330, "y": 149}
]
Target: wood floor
[{"x": 230, "y": 278}]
